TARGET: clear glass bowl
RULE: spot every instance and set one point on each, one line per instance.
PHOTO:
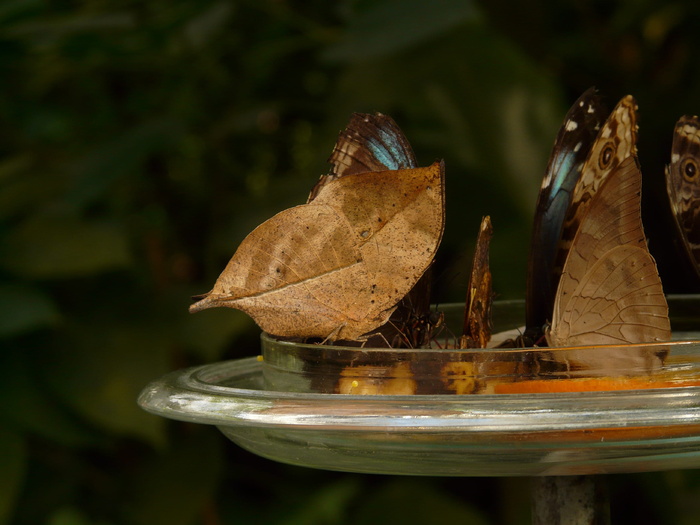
(297, 367)
(510, 434)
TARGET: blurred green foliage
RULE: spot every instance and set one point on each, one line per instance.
(141, 141)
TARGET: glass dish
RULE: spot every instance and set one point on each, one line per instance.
(510, 434)
(297, 367)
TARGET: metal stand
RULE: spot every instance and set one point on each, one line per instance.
(570, 500)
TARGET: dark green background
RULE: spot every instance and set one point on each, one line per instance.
(141, 141)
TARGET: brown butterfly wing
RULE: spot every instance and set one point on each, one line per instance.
(338, 266)
(683, 186)
(476, 332)
(372, 143)
(281, 273)
(610, 291)
(620, 300)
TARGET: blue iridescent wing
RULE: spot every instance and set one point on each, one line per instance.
(571, 148)
(368, 143)
(371, 143)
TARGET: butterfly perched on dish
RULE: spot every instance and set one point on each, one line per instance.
(375, 220)
(337, 267)
(683, 188)
(591, 278)
(374, 143)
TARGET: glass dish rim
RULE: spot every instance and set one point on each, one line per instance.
(271, 339)
(187, 392)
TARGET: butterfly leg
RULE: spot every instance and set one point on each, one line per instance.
(333, 334)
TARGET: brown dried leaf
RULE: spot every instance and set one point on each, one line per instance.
(374, 142)
(337, 266)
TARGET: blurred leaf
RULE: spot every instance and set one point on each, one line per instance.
(57, 27)
(409, 502)
(49, 247)
(48, 124)
(208, 23)
(120, 156)
(14, 167)
(27, 406)
(25, 308)
(101, 369)
(12, 8)
(12, 466)
(68, 516)
(327, 506)
(392, 25)
(176, 486)
(20, 188)
(208, 332)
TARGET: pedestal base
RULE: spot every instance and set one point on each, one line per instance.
(570, 500)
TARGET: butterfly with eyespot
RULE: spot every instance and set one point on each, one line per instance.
(607, 290)
(588, 148)
(374, 142)
(683, 187)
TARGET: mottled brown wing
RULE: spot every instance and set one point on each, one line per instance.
(299, 274)
(370, 143)
(683, 186)
(336, 268)
(477, 313)
(413, 324)
(610, 291)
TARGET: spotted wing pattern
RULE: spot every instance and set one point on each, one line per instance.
(683, 186)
